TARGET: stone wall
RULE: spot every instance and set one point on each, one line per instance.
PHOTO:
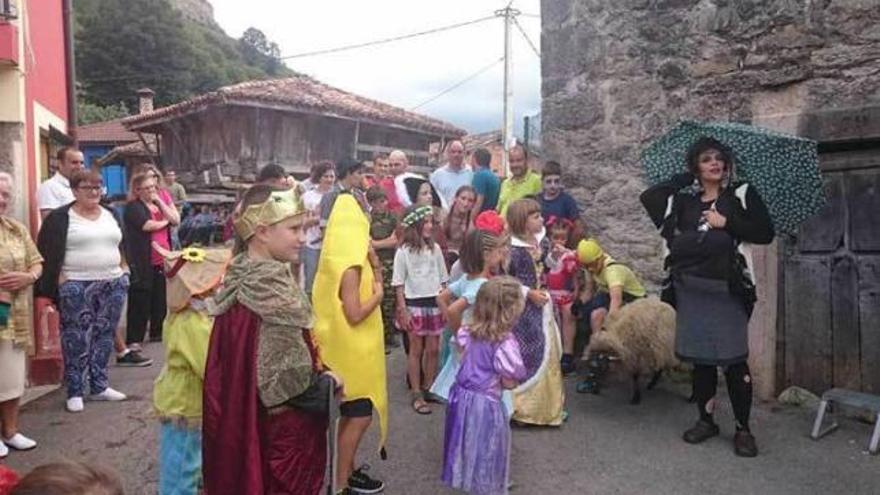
(616, 74)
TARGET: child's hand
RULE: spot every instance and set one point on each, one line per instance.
(340, 385)
(538, 297)
(403, 319)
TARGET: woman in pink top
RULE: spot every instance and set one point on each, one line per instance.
(148, 219)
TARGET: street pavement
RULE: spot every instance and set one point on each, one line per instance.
(606, 447)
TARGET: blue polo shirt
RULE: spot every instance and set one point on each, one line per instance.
(488, 185)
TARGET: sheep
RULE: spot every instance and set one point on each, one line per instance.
(642, 335)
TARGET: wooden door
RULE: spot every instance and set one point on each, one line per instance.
(830, 310)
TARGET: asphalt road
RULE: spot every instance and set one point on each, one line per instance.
(606, 447)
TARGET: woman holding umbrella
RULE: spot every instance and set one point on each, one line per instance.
(707, 220)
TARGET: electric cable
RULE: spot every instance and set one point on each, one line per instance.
(459, 83)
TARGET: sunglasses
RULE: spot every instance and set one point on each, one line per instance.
(95, 189)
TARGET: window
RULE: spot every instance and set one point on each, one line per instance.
(8, 10)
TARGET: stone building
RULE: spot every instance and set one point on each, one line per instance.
(618, 74)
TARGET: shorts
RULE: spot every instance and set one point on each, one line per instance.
(426, 320)
(601, 300)
(358, 408)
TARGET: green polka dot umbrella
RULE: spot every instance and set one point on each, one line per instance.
(783, 168)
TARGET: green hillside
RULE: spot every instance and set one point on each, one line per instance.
(124, 45)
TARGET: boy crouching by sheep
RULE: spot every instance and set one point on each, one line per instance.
(193, 274)
(614, 285)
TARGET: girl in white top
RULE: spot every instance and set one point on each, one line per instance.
(419, 276)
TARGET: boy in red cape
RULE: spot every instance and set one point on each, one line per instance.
(266, 396)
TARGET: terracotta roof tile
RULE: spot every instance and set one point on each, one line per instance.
(111, 131)
(300, 93)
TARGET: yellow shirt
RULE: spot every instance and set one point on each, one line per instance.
(514, 189)
(617, 275)
(18, 254)
(178, 389)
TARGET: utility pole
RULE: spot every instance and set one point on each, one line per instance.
(509, 14)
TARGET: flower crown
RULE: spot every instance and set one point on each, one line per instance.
(280, 205)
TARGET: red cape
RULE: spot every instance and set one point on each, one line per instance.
(245, 450)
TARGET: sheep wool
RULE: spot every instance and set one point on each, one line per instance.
(642, 334)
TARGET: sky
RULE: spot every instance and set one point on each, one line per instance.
(409, 72)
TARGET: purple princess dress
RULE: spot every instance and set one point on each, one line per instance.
(476, 443)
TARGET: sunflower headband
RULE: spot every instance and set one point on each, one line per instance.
(417, 215)
(280, 205)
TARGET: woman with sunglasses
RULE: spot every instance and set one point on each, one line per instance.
(86, 278)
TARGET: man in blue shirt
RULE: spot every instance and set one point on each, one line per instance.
(485, 182)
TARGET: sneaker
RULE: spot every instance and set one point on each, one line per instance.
(74, 404)
(744, 444)
(3, 450)
(701, 432)
(359, 482)
(133, 358)
(19, 442)
(109, 395)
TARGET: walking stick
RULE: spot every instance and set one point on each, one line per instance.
(332, 433)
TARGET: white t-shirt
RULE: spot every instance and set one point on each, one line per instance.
(447, 182)
(312, 202)
(54, 193)
(421, 273)
(92, 248)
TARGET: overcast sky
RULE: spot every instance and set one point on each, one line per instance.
(408, 72)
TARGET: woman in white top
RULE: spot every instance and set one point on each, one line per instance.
(86, 277)
(324, 175)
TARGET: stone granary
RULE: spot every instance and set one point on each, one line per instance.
(228, 134)
(618, 74)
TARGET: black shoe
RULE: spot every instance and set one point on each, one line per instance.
(701, 432)
(359, 482)
(744, 444)
(567, 364)
(133, 359)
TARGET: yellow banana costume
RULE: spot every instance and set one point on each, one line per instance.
(355, 352)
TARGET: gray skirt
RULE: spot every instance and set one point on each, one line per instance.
(712, 326)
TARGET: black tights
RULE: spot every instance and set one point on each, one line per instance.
(739, 387)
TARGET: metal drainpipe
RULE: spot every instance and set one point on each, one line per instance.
(70, 71)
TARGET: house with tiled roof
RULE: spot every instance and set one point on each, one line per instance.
(113, 148)
(228, 134)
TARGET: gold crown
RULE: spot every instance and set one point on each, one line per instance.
(280, 205)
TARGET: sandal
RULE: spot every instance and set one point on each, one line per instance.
(433, 398)
(419, 405)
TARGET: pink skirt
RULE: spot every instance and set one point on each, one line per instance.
(425, 319)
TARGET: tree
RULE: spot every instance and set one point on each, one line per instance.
(125, 45)
(89, 113)
(258, 49)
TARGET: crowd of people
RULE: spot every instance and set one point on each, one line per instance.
(485, 283)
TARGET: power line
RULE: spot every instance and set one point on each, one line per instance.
(386, 40)
(459, 83)
(536, 16)
(526, 36)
